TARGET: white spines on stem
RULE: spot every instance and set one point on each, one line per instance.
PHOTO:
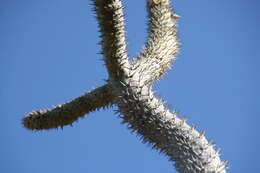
(69, 112)
(129, 87)
(162, 45)
(113, 42)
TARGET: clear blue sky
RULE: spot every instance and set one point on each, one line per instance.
(49, 54)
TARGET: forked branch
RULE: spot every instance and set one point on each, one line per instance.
(129, 88)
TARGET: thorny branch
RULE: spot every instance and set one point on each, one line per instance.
(129, 88)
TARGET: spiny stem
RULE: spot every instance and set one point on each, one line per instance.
(111, 22)
(184, 145)
(162, 45)
(129, 87)
(67, 113)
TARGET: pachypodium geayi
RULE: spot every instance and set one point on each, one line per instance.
(129, 88)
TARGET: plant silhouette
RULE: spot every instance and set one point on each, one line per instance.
(129, 88)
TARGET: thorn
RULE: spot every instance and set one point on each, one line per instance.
(193, 127)
(176, 112)
(218, 152)
(210, 142)
(175, 16)
(183, 121)
(202, 134)
(185, 118)
(123, 83)
(226, 164)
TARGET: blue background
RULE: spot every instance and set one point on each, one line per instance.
(49, 54)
